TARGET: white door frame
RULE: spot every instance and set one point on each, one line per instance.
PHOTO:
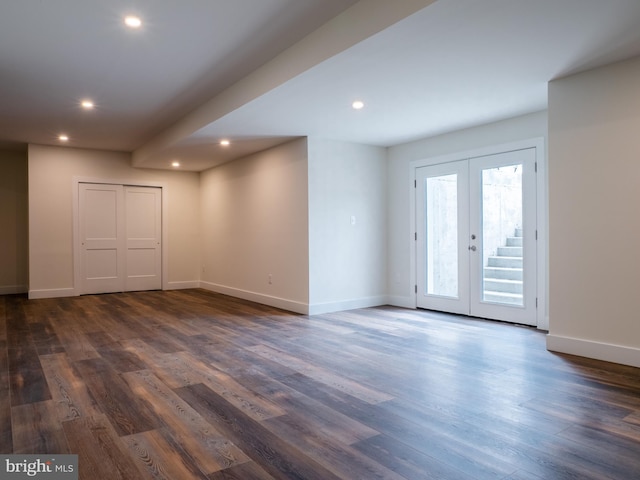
(76, 181)
(542, 317)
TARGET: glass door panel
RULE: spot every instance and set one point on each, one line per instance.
(502, 274)
(442, 235)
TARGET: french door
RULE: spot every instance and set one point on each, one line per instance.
(476, 236)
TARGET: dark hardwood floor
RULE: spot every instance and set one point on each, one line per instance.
(191, 384)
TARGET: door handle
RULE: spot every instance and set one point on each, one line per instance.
(473, 248)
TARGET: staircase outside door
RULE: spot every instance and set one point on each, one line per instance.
(504, 273)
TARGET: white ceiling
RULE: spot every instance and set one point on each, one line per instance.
(53, 53)
(161, 91)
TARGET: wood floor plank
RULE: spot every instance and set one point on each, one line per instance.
(195, 384)
(633, 418)
(163, 343)
(577, 409)
(318, 416)
(16, 323)
(44, 337)
(209, 448)
(76, 345)
(180, 369)
(3, 319)
(6, 433)
(68, 390)
(523, 475)
(237, 361)
(342, 460)
(279, 458)
(253, 404)
(127, 413)
(490, 442)
(583, 463)
(446, 448)
(613, 450)
(101, 455)
(121, 360)
(6, 443)
(330, 378)
(408, 461)
(36, 429)
(246, 471)
(28, 382)
(622, 376)
(161, 459)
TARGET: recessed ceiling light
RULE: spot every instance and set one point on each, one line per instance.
(358, 105)
(63, 138)
(87, 104)
(175, 164)
(132, 21)
(225, 143)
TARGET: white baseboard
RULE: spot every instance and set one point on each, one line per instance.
(182, 285)
(597, 350)
(318, 308)
(283, 303)
(13, 289)
(293, 306)
(52, 293)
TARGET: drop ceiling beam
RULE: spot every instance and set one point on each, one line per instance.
(357, 23)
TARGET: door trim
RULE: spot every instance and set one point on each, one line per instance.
(75, 182)
(542, 316)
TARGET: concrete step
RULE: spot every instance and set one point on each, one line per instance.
(505, 262)
(509, 251)
(514, 241)
(518, 232)
(503, 273)
(503, 286)
(507, 298)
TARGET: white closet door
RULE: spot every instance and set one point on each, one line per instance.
(143, 230)
(102, 238)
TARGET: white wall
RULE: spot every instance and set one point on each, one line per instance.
(254, 220)
(594, 225)
(347, 262)
(401, 278)
(51, 174)
(13, 222)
